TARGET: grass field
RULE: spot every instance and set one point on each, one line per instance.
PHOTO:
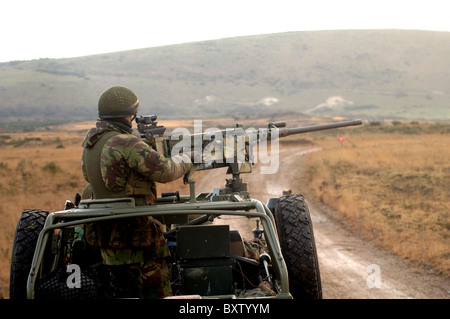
(391, 184)
(37, 170)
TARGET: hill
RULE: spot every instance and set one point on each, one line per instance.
(373, 74)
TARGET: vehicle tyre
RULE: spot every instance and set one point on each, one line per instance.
(295, 231)
(28, 228)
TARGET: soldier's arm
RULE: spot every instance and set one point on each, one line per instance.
(146, 161)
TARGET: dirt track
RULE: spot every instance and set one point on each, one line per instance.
(343, 258)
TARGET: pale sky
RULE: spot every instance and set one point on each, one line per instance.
(33, 29)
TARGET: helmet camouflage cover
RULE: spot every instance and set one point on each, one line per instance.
(116, 102)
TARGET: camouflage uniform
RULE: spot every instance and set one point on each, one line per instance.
(149, 278)
(118, 164)
(127, 163)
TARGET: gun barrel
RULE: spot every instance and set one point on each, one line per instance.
(299, 130)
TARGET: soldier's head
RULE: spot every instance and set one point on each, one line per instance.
(117, 102)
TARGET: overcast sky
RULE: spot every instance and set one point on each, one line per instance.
(33, 29)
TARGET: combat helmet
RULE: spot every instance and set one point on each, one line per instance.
(117, 102)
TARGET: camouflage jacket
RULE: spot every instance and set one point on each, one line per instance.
(128, 162)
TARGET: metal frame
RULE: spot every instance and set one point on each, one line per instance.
(77, 216)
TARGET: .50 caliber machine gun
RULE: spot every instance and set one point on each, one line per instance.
(214, 148)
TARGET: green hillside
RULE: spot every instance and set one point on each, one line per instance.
(373, 74)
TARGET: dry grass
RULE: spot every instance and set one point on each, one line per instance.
(392, 186)
(37, 170)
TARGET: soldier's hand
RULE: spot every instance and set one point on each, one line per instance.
(189, 177)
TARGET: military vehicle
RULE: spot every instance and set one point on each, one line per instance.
(52, 259)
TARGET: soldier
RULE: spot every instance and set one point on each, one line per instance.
(118, 164)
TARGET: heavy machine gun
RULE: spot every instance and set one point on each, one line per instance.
(231, 147)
